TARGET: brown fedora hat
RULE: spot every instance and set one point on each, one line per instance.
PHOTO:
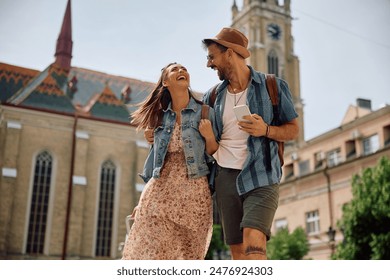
(233, 39)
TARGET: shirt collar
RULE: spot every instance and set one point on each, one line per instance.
(191, 105)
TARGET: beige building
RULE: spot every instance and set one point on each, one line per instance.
(317, 176)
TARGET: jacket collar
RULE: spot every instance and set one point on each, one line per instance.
(192, 105)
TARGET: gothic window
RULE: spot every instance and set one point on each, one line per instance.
(106, 209)
(39, 204)
(273, 63)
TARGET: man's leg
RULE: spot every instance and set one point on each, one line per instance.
(259, 209)
(230, 208)
(253, 247)
(254, 244)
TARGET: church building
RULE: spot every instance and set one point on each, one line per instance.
(69, 158)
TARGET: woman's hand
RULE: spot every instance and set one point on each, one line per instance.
(148, 134)
(206, 129)
(132, 216)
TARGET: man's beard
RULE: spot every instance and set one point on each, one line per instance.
(223, 73)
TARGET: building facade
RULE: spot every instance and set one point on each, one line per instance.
(317, 176)
(69, 158)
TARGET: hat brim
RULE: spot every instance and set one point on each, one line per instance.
(237, 48)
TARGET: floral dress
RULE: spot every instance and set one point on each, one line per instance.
(173, 220)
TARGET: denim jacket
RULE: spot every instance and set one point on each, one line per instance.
(193, 142)
(254, 173)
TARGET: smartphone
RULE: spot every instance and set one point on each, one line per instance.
(240, 111)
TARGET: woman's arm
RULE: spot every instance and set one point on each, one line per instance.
(206, 130)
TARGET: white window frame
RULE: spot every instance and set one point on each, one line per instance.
(370, 144)
(313, 222)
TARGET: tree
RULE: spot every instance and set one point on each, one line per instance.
(366, 218)
(286, 246)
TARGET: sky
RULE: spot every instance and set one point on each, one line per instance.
(343, 46)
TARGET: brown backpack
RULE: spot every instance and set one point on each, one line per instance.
(272, 89)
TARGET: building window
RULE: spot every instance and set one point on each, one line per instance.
(273, 63)
(304, 167)
(288, 171)
(313, 222)
(350, 149)
(106, 210)
(370, 144)
(39, 204)
(319, 159)
(386, 135)
(334, 157)
(280, 224)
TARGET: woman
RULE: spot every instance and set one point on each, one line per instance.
(173, 219)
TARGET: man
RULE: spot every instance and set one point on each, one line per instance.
(247, 190)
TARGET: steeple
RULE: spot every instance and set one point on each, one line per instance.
(234, 9)
(63, 52)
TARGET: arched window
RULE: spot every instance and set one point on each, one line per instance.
(273, 63)
(106, 209)
(39, 204)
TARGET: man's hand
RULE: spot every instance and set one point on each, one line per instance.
(254, 125)
(257, 127)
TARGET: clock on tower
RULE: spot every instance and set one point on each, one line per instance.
(274, 31)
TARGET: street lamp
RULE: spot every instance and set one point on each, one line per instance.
(331, 235)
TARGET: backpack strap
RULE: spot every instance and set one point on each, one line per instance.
(205, 112)
(213, 96)
(272, 89)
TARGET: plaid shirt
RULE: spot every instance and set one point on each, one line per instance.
(254, 173)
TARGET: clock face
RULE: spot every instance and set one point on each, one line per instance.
(274, 31)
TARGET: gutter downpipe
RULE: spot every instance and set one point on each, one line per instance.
(329, 195)
(70, 188)
(331, 232)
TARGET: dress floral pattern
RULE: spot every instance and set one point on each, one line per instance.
(174, 215)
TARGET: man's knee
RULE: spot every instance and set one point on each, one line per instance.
(255, 243)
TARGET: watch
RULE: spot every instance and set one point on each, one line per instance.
(274, 31)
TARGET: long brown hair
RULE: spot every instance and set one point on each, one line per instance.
(150, 112)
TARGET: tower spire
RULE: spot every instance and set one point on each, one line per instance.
(63, 52)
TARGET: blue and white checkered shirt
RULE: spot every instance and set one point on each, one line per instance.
(255, 173)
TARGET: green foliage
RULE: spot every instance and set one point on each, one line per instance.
(366, 218)
(217, 243)
(286, 246)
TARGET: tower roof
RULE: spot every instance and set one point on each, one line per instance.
(63, 52)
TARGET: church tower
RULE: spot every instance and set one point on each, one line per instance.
(267, 24)
(64, 45)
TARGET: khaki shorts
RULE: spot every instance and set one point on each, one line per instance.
(255, 209)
